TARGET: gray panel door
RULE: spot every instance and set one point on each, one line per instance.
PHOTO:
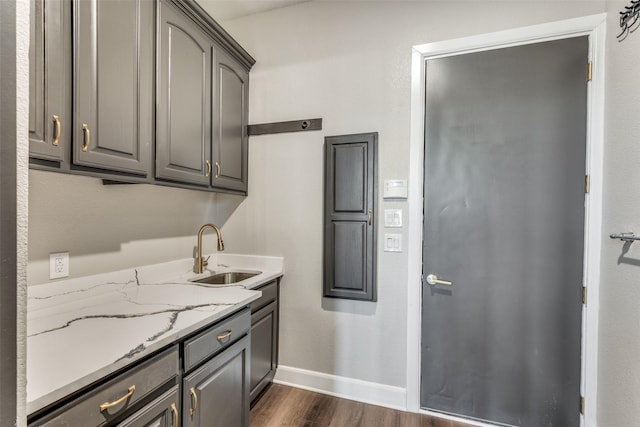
(349, 221)
(230, 143)
(162, 412)
(264, 348)
(183, 146)
(504, 189)
(49, 80)
(217, 394)
(113, 91)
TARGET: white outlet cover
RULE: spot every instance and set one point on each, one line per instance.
(58, 265)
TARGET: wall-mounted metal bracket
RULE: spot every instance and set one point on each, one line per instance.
(625, 237)
(282, 127)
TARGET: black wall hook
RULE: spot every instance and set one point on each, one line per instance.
(629, 21)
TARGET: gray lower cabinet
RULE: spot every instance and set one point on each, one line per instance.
(201, 381)
(162, 412)
(105, 404)
(183, 139)
(230, 142)
(49, 80)
(217, 393)
(113, 102)
(264, 339)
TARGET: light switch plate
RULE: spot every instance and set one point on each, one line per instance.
(393, 218)
(393, 242)
(58, 265)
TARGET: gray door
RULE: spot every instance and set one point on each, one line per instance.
(183, 145)
(217, 394)
(49, 80)
(505, 147)
(113, 84)
(350, 191)
(230, 142)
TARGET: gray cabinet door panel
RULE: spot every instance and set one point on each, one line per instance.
(49, 79)
(264, 348)
(230, 139)
(349, 224)
(113, 97)
(184, 100)
(217, 394)
(162, 412)
(349, 255)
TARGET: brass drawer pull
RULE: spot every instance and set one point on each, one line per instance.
(224, 336)
(217, 170)
(174, 411)
(87, 137)
(208, 168)
(108, 405)
(194, 399)
(57, 129)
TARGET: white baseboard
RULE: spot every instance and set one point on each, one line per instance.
(343, 387)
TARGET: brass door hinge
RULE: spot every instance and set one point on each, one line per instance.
(589, 70)
(587, 183)
(582, 405)
(584, 294)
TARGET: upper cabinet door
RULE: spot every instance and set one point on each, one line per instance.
(183, 145)
(230, 142)
(113, 90)
(49, 80)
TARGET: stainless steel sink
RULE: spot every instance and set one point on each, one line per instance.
(227, 278)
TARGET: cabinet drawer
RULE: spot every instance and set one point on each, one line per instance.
(269, 293)
(123, 392)
(209, 342)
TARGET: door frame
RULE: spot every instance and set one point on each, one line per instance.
(593, 26)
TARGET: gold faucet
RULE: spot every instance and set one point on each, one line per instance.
(200, 263)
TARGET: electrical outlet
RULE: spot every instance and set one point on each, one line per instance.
(58, 265)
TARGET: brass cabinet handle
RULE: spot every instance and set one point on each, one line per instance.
(194, 399)
(226, 334)
(208, 168)
(87, 137)
(174, 411)
(370, 215)
(56, 132)
(108, 405)
(217, 170)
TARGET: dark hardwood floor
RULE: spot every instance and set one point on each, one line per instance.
(294, 407)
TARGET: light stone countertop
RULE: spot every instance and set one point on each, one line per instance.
(80, 330)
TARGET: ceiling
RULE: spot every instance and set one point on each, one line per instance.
(223, 10)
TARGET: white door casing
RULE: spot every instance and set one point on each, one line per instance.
(594, 27)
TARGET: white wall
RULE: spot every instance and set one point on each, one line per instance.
(619, 355)
(349, 63)
(111, 227)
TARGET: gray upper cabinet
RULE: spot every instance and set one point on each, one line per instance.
(49, 80)
(183, 145)
(230, 143)
(138, 91)
(349, 216)
(113, 84)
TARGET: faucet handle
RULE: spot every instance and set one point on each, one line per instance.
(205, 261)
